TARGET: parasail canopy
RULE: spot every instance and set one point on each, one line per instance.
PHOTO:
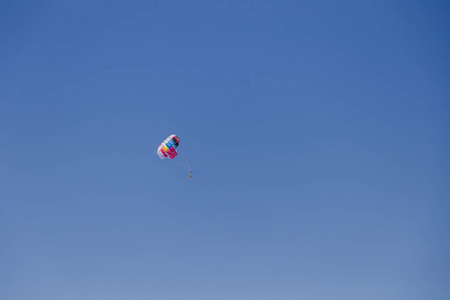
(168, 148)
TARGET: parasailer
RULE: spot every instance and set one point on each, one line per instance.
(168, 148)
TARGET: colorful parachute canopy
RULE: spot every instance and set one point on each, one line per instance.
(168, 147)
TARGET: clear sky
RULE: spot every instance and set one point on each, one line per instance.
(318, 131)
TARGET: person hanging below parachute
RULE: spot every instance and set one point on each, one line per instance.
(168, 148)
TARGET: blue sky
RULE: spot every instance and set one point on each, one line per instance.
(318, 131)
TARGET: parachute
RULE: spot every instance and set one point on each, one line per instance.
(168, 149)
